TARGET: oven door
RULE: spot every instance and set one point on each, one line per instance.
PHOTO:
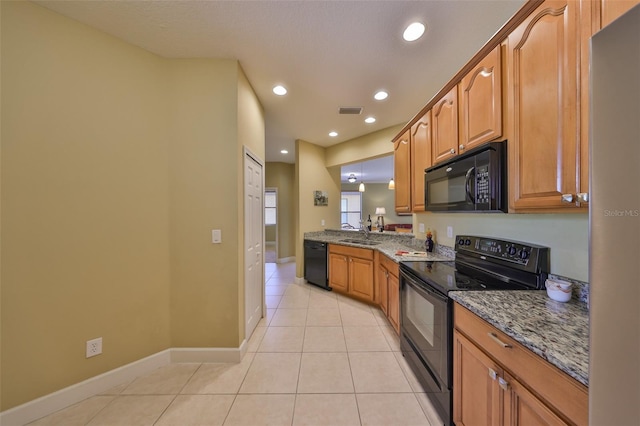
(425, 322)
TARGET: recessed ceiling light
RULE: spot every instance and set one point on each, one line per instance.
(369, 120)
(333, 134)
(381, 95)
(284, 151)
(280, 90)
(413, 32)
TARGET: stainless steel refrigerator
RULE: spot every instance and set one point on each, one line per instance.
(614, 221)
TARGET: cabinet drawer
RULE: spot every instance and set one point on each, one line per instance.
(390, 265)
(556, 388)
(351, 251)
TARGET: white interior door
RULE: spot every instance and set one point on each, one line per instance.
(254, 242)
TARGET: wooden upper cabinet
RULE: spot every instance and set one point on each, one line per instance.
(543, 55)
(420, 159)
(402, 173)
(607, 11)
(444, 119)
(480, 93)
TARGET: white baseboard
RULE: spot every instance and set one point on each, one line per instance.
(209, 354)
(300, 280)
(73, 394)
(286, 259)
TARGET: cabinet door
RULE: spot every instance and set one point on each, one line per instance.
(420, 159)
(339, 272)
(612, 9)
(476, 393)
(402, 173)
(543, 105)
(522, 408)
(361, 278)
(383, 288)
(444, 116)
(481, 102)
(394, 302)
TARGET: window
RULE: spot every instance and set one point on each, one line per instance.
(270, 212)
(351, 210)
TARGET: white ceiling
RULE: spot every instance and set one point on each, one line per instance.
(327, 53)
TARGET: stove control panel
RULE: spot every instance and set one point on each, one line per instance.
(529, 257)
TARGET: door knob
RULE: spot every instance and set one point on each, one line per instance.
(453, 151)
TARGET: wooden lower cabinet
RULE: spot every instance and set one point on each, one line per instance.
(351, 271)
(394, 301)
(477, 397)
(523, 408)
(382, 293)
(505, 383)
(388, 284)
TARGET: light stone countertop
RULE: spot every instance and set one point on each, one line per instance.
(558, 332)
(390, 244)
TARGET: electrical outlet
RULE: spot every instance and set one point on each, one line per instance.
(94, 347)
(450, 231)
(421, 227)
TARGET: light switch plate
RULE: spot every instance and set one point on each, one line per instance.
(216, 236)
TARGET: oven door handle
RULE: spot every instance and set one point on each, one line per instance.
(467, 184)
(424, 288)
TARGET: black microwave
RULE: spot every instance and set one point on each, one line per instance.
(475, 181)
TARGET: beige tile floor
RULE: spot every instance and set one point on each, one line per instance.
(318, 358)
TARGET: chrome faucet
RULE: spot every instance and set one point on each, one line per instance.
(365, 229)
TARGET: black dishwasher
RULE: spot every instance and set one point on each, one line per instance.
(315, 263)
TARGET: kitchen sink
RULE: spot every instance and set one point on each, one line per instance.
(363, 242)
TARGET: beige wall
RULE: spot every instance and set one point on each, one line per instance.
(372, 145)
(566, 234)
(116, 165)
(311, 175)
(85, 244)
(204, 171)
(281, 176)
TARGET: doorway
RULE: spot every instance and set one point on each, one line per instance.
(271, 225)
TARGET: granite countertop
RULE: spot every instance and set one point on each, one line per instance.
(558, 332)
(390, 244)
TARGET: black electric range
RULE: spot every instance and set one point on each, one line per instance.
(426, 320)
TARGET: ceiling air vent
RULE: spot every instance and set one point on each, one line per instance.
(350, 110)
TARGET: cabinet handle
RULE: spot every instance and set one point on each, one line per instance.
(493, 374)
(567, 198)
(453, 151)
(503, 383)
(494, 337)
(461, 146)
(583, 197)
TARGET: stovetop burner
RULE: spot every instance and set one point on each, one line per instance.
(485, 264)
